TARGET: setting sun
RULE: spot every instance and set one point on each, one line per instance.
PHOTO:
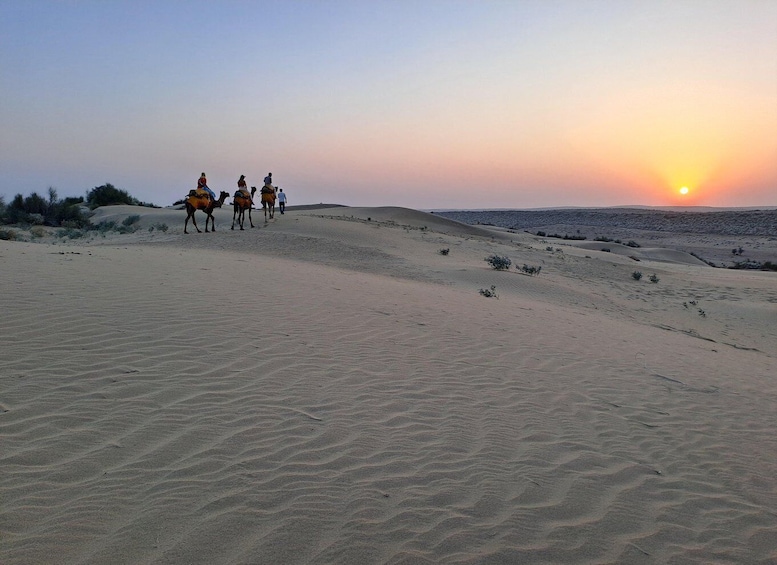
(684, 190)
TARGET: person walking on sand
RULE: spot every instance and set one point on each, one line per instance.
(281, 200)
(202, 184)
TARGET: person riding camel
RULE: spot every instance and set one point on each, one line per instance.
(268, 188)
(202, 184)
(242, 187)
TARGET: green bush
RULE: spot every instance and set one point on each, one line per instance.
(108, 194)
(653, 278)
(636, 275)
(37, 210)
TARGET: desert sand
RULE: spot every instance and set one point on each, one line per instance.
(328, 387)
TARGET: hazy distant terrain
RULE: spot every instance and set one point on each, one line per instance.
(712, 236)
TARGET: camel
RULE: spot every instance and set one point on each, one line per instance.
(268, 201)
(243, 202)
(199, 201)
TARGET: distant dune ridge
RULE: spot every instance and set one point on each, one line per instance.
(330, 387)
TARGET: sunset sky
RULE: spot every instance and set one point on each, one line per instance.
(425, 104)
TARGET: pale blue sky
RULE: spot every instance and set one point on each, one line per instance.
(427, 104)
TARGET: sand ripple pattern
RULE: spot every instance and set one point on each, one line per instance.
(231, 411)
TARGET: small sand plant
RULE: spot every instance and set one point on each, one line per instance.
(444, 251)
(529, 270)
(653, 278)
(636, 275)
(498, 262)
(489, 292)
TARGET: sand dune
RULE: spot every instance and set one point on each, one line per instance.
(329, 388)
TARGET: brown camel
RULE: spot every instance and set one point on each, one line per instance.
(243, 202)
(199, 201)
(268, 201)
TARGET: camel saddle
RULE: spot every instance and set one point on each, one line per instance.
(267, 189)
(242, 193)
(199, 193)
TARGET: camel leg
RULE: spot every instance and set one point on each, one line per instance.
(250, 221)
(194, 223)
(234, 213)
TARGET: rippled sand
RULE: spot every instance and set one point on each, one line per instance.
(329, 388)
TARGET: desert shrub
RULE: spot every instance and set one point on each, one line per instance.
(103, 227)
(632, 243)
(37, 210)
(108, 194)
(531, 271)
(756, 265)
(489, 292)
(444, 251)
(129, 220)
(38, 231)
(162, 227)
(653, 278)
(498, 262)
(606, 249)
(8, 235)
(636, 275)
(542, 234)
(71, 233)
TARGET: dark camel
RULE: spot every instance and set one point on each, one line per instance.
(268, 201)
(243, 202)
(201, 201)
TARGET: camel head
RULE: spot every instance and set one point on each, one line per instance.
(222, 197)
(253, 190)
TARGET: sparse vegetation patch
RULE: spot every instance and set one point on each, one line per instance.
(489, 292)
(499, 263)
(529, 270)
